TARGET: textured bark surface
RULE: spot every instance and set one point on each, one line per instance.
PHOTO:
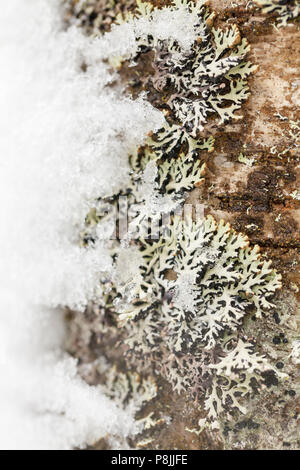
(256, 199)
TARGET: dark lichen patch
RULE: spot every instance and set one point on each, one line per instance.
(240, 425)
(286, 226)
(179, 419)
(283, 12)
(270, 379)
(137, 78)
(263, 184)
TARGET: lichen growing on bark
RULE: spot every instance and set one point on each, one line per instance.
(191, 327)
(210, 78)
(96, 16)
(231, 392)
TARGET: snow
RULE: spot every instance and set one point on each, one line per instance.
(65, 137)
(65, 140)
(167, 23)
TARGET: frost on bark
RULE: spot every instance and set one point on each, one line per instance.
(249, 173)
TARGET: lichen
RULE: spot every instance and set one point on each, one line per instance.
(96, 16)
(283, 10)
(194, 321)
(182, 298)
(295, 354)
(208, 79)
(163, 171)
(129, 389)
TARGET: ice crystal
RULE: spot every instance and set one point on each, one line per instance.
(181, 297)
(132, 392)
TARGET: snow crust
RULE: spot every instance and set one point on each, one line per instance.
(65, 139)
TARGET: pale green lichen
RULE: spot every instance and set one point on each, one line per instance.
(185, 300)
(129, 388)
(247, 161)
(295, 353)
